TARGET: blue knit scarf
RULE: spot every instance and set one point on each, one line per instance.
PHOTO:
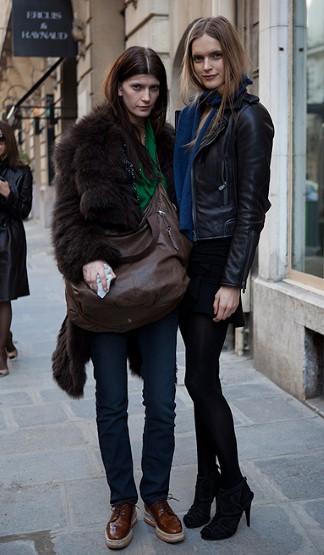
(184, 156)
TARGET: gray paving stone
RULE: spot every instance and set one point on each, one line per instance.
(280, 438)
(27, 509)
(182, 486)
(12, 399)
(136, 426)
(28, 376)
(39, 439)
(310, 516)
(88, 428)
(135, 401)
(316, 404)
(253, 391)
(232, 365)
(181, 403)
(184, 421)
(2, 421)
(183, 395)
(83, 408)
(144, 542)
(25, 361)
(82, 542)
(298, 477)
(135, 384)
(246, 375)
(33, 348)
(315, 509)
(35, 468)
(240, 419)
(19, 547)
(185, 450)
(272, 409)
(88, 501)
(39, 415)
(54, 394)
(25, 377)
(38, 543)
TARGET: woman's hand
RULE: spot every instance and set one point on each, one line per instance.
(226, 302)
(90, 272)
(4, 188)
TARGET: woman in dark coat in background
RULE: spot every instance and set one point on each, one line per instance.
(15, 204)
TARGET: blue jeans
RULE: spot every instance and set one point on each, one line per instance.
(157, 345)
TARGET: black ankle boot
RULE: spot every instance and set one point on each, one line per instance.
(231, 504)
(205, 493)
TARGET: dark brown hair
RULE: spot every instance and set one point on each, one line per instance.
(235, 60)
(134, 61)
(12, 154)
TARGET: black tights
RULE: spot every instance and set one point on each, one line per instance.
(5, 322)
(215, 433)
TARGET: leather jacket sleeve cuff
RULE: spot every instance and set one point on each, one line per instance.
(237, 267)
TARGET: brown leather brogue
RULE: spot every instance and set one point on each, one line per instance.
(167, 525)
(119, 529)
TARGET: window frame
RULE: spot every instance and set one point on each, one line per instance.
(292, 274)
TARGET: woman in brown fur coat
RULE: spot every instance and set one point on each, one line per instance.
(107, 170)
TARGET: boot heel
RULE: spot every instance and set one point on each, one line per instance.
(247, 514)
(231, 504)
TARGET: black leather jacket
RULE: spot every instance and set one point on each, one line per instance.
(18, 204)
(230, 184)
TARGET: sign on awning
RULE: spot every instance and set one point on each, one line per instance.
(42, 28)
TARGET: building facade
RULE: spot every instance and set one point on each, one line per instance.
(285, 43)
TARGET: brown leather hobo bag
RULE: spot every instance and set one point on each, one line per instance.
(151, 278)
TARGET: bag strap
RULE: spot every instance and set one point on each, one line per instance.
(150, 219)
(152, 224)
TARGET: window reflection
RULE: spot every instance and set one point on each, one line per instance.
(308, 185)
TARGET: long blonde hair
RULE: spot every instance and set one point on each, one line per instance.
(235, 60)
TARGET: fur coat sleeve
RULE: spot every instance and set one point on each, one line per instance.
(92, 192)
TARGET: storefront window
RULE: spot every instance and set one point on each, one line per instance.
(308, 139)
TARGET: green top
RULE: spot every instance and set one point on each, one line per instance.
(145, 187)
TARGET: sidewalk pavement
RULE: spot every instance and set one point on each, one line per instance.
(54, 498)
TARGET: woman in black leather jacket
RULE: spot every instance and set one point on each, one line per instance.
(15, 204)
(222, 171)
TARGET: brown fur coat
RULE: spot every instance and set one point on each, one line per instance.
(94, 191)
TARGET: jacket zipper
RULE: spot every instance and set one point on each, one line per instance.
(211, 140)
(195, 235)
(194, 219)
(168, 228)
(224, 185)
